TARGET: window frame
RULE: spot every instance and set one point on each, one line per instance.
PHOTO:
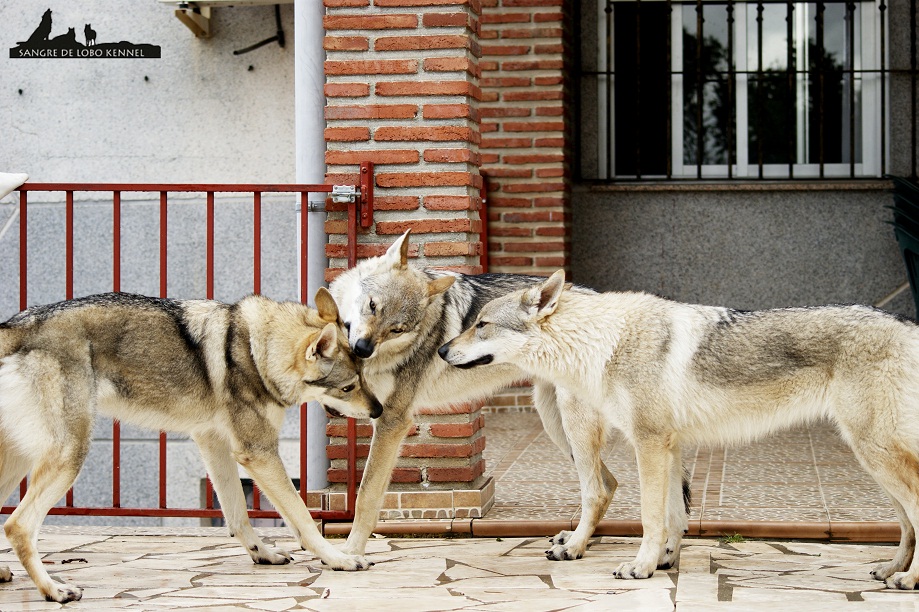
(869, 67)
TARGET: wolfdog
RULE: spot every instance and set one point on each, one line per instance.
(222, 373)
(397, 317)
(668, 374)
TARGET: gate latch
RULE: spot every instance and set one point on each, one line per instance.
(344, 194)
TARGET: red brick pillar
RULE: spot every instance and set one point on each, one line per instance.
(525, 133)
(402, 90)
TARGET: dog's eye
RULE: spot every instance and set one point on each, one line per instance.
(373, 306)
(347, 389)
(397, 330)
(480, 324)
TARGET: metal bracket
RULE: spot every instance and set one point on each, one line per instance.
(197, 19)
(366, 203)
(344, 194)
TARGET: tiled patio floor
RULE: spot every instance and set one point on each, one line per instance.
(804, 477)
(202, 569)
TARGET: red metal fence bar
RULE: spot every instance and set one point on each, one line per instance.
(359, 213)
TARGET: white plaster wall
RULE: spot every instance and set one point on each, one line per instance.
(198, 114)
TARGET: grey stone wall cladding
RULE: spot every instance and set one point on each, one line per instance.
(745, 250)
(140, 263)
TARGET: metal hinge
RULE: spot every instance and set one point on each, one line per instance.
(344, 194)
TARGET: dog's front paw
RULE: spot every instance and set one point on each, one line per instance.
(561, 538)
(269, 555)
(348, 563)
(62, 593)
(885, 570)
(563, 553)
(632, 571)
(5, 574)
(903, 581)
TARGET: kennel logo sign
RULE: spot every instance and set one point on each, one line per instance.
(44, 43)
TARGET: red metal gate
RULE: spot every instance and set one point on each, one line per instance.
(359, 214)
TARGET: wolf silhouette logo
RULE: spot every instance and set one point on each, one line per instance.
(42, 32)
(42, 45)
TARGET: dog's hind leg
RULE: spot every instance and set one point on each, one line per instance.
(894, 464)
(221, 467)
(896, 468)
(905, 550)
(586, 432)
(54, 408)
(13, 469)
(51, 478)
(546, 399)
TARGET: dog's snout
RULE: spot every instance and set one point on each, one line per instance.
(363, 348)
(376, 408)
(442, 351)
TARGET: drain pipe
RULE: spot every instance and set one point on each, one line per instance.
(309, 126)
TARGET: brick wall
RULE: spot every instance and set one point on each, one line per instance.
(429, 451)
(402, 89)
(513, 399)
(525, 130)
(440, 468)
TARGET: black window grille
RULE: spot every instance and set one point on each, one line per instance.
(721, 89)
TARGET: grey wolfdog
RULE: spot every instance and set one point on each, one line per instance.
(222, 373)
(398, 316)
(668, 374)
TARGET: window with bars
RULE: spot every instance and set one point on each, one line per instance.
(701, 89)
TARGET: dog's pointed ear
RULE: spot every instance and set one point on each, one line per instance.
(440, 284)
(397, 254)
(541, 300)
(325, 304)
(326, 344)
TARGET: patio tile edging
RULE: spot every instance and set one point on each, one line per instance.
(835, 531)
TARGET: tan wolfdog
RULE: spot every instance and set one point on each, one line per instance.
(222, 373)
(668, 374)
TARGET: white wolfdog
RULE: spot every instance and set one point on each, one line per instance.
(223, 373)
(398, 316)
(668, 374)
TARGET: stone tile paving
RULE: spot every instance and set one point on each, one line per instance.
(203, 569)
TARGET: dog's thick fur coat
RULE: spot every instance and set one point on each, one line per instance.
(668, 374)
(222, 373)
